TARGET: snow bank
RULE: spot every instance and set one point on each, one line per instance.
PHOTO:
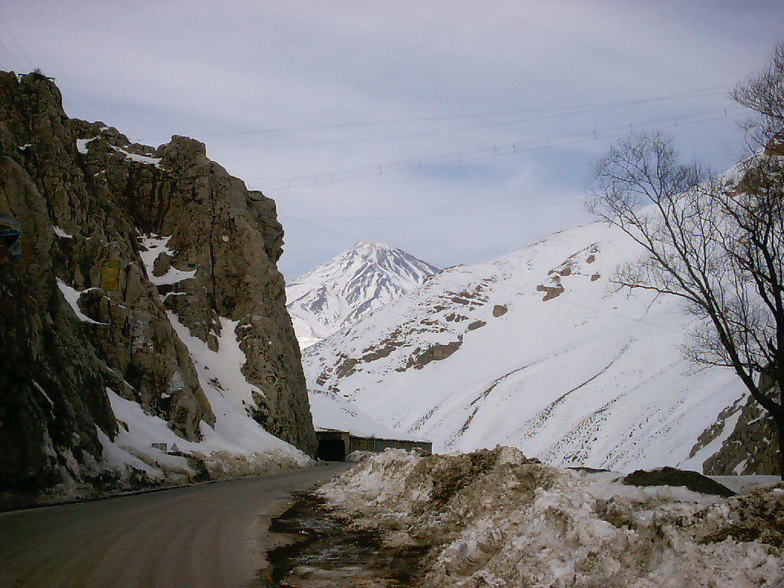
(495, 518)
(247, 450)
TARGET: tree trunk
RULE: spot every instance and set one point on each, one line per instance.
(780, 432)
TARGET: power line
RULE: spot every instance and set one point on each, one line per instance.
(549, 204)
(16, 42)
(623, 316)
(473, 127)
(613, 131)
(320, 228)
(693, 118)
(595, 105)
(11, 55)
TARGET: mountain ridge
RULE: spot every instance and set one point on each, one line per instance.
(535, 349)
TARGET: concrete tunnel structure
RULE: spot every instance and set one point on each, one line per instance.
(335, 445)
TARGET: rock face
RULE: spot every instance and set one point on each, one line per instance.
(745, 440)
(122, 243)
(674, 477)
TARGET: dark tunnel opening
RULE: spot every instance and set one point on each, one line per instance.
(332, 450)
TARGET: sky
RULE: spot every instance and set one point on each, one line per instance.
(456, 130)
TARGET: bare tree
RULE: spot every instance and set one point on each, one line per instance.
(716, 243)
(764, 94)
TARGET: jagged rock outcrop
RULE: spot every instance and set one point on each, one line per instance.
(751, 448)
(750, 440)
(123, 243)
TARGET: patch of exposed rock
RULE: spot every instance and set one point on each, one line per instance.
(674, 477)
(751, 447)
(437, 352)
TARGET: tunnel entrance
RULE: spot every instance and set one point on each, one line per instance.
(335, 445)
(332, 450)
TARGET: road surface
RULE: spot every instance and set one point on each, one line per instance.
(209, 535)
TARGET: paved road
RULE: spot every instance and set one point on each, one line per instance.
(202, 536)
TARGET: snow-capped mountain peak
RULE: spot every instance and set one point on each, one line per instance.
(350, 286)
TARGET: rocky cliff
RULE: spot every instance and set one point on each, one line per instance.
(742, 441)
(141, 270)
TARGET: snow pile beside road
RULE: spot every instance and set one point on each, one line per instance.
(495, 518)
(139, 463)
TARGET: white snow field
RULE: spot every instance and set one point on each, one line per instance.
(496, 519)
(330, 411)
(537, 350)
(352, 285)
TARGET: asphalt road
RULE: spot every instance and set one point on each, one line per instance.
(211, 535)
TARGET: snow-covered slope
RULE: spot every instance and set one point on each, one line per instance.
(538, 350)
(331, 411)
(351, 286)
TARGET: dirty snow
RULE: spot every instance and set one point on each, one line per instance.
(741, 483)
(71, 296)
(494, 518)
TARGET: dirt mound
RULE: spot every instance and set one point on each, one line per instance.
(675, 477)
(495, 518)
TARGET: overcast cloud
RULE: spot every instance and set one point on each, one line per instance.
(455, 130)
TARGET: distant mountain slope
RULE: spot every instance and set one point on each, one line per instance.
(331, 411)
(537, 350)
(351, 286)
